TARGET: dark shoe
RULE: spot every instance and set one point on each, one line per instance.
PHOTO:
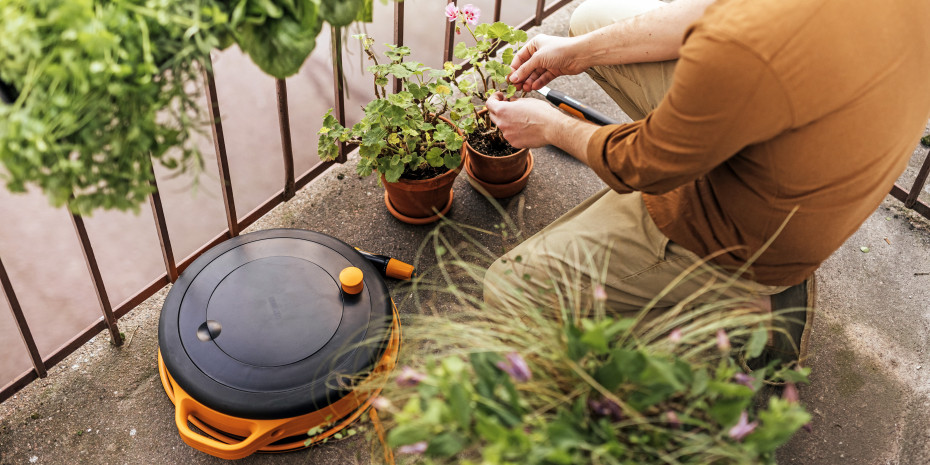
(791, 332)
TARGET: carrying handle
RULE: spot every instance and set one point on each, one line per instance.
(260, 433)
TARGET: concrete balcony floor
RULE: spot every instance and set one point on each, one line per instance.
(870, 387)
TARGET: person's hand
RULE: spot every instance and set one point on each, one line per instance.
(525, 123)
(543, 59)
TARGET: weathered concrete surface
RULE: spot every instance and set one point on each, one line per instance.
(868, 395)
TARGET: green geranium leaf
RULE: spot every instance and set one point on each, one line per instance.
(452, 160)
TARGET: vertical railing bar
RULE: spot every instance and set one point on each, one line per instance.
(450, 37)
(398, 34)
(161, 227)
(540, 5)
(339, 88)
(99, 287)
(919, 183)
(21, 323)
(497, 10)
(219, 143)
(284, 122)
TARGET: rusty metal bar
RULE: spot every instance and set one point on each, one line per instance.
(76, 342)
(148, 291)
(219, 142)
(99, 287)
(312, 173)
(899, 193)
(284, 122)
(540, 6)
(398, 34)
(21, 323)
(450, 38)
(339, 109)
(161, 226)
(919, 183)
(18, 383)
(497, 10)
(545, 14)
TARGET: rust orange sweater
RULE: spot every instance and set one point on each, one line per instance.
(777, 104)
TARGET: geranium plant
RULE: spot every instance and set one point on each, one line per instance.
(401, 134)
(490, 60)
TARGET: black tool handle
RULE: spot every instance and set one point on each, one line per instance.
(578, 109)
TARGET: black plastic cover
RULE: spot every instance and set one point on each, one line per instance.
(258, 326)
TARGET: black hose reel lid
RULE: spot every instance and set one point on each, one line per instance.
(259, 326)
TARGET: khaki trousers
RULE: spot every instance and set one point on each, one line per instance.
(608, 247)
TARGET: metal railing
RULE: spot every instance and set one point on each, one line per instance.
(291, 183)
(911, 198)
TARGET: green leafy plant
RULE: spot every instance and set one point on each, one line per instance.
(99, 89)
(100, 93)
(925, 140)
(567, 382)
(400, 134)
(279, 35)
(490, 60)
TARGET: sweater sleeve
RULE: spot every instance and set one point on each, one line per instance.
(723, 98)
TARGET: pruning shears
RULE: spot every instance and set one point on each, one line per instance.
(575, 108)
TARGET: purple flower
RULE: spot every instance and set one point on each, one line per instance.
(600, 293)
(452, 12)
(791, 393)
(676, 335)
(409, 377)
(472, 13)
(723, 342)
(672, 419)
(415, 448)
(742, 427)
(745, 380)
(516, 367)
(605, 408)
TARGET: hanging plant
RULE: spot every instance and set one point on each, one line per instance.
(97, 91)
(94, 91)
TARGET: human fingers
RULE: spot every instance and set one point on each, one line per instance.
(524, 54)
(494, 101)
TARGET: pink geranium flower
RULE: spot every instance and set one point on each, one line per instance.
(452, 12)
(472, 13)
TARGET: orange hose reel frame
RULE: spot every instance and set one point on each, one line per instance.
(260, 434)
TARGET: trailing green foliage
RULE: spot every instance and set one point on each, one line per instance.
(551, 376)
(93, 79)
(278, 35)
(101, 88)
(925, 140)
(400, 132)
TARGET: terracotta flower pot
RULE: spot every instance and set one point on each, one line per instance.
(500, 176)
(422, 201)
(418, 201)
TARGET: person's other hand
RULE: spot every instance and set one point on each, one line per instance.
(543, 59)
(526, 122)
